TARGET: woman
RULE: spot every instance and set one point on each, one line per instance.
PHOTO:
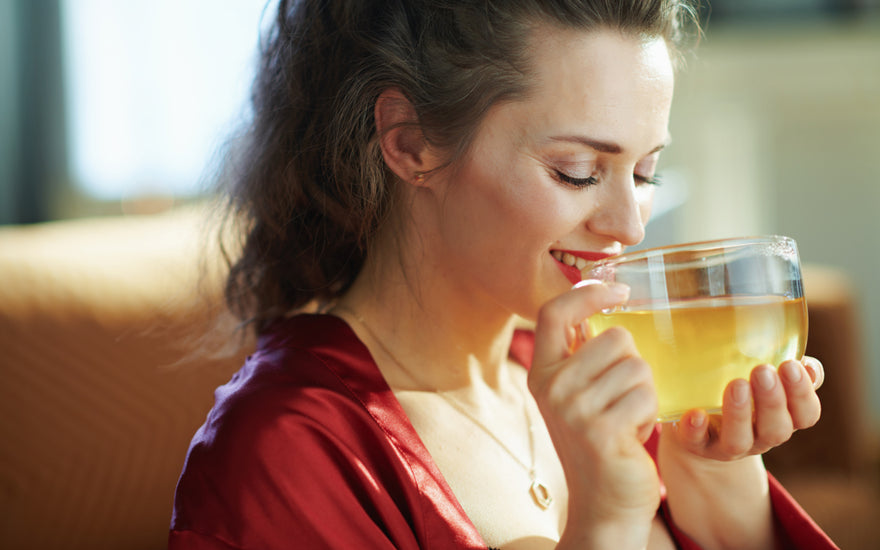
(425, 173)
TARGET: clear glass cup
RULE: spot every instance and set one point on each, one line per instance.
(703, 314)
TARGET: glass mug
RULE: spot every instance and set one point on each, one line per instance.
(703, 314)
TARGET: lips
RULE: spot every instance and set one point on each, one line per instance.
(573, 262)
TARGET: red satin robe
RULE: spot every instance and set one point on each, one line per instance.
(307, 447)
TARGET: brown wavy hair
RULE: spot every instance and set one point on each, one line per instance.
(307, 189)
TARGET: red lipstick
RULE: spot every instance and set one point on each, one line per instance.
(572, 273)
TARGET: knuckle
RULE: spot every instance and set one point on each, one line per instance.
(641, 371)
(647, 397)
(547, 312)
(557, 394)
(578, 413)
(809, 418)
(602, 431)
(774, 436)
(774, 401)
(552, 311)
(640, 404)
(638, 374)
(548, 315)
(548, 391)
(735, 447)
(620, 337)
(734, 450)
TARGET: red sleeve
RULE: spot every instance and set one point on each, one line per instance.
(797, 531)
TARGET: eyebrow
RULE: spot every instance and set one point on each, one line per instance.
(603, 146)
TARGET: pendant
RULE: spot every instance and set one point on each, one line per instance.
(541, 494)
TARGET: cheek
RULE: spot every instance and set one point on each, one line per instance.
(505, 220)
(499, 199)
(536, 213)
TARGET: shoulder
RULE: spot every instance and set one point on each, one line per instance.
(310, 378)
(293, 430)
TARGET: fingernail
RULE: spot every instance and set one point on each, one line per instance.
(619, 289)
(698, 419)
(817, 374)
(740, 393)
(587, 282)
(792, 372)
(766, 379)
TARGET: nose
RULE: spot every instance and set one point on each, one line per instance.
(621, 212)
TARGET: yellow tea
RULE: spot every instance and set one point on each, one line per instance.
(696, 347)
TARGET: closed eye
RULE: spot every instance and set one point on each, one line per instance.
(655, 180)
(575, 182)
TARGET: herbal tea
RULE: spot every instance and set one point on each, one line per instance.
(695, 347)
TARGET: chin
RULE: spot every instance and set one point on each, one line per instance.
(529, 312)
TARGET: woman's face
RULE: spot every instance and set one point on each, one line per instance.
(561, 177)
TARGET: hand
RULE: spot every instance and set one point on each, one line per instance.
(784, 401)
(702, 457)
(599, 404)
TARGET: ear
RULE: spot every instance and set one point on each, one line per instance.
(403, 145)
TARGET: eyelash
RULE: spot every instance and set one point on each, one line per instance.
(576, 182)
(656, 180)
(590, 181)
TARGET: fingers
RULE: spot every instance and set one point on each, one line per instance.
(733, 434)
(631, 413)
(554, 330)
(637, 407)
(693, 431)
(625, 387)
(613, 346)
(600, 373)
(816, 371)
(736, 436)
(802, 401)
(773, 422)
(602, 388)
(757, 415)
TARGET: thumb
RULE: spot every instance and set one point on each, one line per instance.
(560, 319)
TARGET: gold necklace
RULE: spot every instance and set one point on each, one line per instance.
(537, 489)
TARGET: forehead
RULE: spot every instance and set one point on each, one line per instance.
(601, 80)
(614, 55)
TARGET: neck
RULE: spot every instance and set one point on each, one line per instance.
(441, 335)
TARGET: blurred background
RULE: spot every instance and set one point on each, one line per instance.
(105, 104)
(120, 109)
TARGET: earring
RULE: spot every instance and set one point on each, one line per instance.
(420, 178)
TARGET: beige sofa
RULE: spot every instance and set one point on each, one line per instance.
(96, 409)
